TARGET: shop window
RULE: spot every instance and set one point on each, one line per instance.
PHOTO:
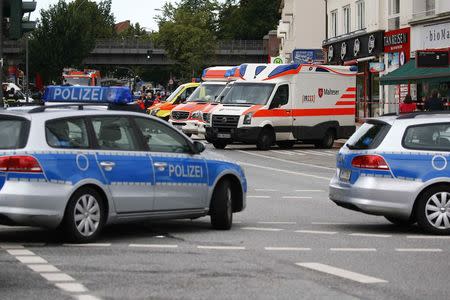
(361, 9)
(347, 24)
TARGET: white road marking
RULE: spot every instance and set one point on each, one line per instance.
(160, 236)
(88, 245)
(286, 249)
(261, 229)
(259, 197)
(331, 151)
(19, 252)
(341, 273)
(316, 153)
(281, 152)
(328, 223)
(266, 190)
(221, 247)
(31, 260)
(284, 171)
(72, 287)
(316, 232)
(418, 250)
(371, 235)
(86, 297)
(296, 197)
(57, 277)
(43, 268)
(353, 249)
(11, 246)
(309, 191)
(298, 153)
(274, 223)
(152, 246)
(286, 161)
(439, 237)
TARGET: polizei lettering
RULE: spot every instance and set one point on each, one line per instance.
(185, 171)
(79, 94)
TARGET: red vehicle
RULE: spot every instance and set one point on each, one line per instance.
(82, 78)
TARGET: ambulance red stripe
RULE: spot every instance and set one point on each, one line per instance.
(351, 89)
(348, 96)
(304, 112)
(346, 103)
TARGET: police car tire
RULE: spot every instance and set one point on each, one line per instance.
(219, 145)
(421, 210)
(327, 141)
(222, 206)
(69, 226)
(265, 140)
(286, 144)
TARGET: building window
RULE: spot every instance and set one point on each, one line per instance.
(346, 11)
(334, 20)
(423, 8)
(394, 15)
(361, 8)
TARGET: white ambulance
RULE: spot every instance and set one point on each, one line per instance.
(282, 104)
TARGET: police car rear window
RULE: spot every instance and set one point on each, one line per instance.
(368, 136)
(13, 132)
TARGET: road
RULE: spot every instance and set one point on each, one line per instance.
(291, 242)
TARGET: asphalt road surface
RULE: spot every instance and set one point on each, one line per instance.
(291, 242)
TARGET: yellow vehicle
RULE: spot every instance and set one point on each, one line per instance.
(163, 109)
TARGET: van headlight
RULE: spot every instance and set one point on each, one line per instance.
(197, 115)
(248, 119)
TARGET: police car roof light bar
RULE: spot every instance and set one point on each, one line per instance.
(88, 94)
(80, 106)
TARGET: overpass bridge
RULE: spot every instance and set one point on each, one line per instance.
(133, 52)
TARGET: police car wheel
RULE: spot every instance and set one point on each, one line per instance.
(286, 144)
(84, 217)
(433, 210)
(265, 140)
(222, 206)
(219, 145)
(400, 221)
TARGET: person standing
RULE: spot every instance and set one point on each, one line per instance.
(434, 103)
(408, 105)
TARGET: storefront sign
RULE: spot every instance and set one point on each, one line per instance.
(398, 43)
(376, 67)
(436, 36)
(277, 60)
(308, 56)
(432, 59)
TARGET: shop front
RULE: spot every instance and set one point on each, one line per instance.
(361, 50)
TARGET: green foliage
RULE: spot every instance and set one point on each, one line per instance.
(66, 34)
(135, 31)
(247, 19)
(187, 32)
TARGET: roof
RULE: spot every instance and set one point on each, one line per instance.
(408, 73)
(122, 26)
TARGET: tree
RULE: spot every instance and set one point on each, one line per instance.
(135, 31)
(187, 33)
(66, 34)
(247, 20)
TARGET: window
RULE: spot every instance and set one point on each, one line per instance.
(67, 133)
(361, 8)
(428, 137)
(423, 8)
(281, 97)
(334, 23)
(394, 7)
(249, 94)
(368, 136)
(347, 24)
(115, 133)
(13, 132)
(161, 138)
(394, 18)
(186, 94)
(206, 93)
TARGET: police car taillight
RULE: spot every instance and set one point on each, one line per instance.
(374, 162)
(19, 164)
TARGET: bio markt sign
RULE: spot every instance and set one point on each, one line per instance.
(277, 60)
(436, 36)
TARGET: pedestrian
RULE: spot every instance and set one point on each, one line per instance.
(408, 105)
(434, 103)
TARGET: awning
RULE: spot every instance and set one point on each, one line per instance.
(410, 74)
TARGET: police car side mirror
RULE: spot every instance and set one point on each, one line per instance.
(199, 147)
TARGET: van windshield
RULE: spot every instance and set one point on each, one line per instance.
(206, 93)
(174, 94)
(249, 94)
(81, 81)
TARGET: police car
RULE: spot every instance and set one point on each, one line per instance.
(397, 167)
(81, 167)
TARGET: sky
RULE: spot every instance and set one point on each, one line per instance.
(141, 11)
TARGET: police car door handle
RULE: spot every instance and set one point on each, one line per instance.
(107, 165)
(160, 165)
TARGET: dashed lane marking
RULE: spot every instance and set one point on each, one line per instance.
(287, 161)
(341, 273)
(152, 246)
(284, 171)
(316, 232)
(220, 248)
(258, 197)
(275, 223)
(261, 229)
(266, 190)
(438, 237)
(88, 245)
(20, 252)
(57, 277)
(286, 249)
(309, 152)
(43, 268)
(282, 152)
(72, 287)
(31, 260)
(86, 297)
(376, 235)
(309, 191)
(296, 197)
(11, 246)
(418, 250)
(353, 249)
(329, 223)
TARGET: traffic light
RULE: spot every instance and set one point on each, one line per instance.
(17, 26)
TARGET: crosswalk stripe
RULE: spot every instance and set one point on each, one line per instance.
(341, 273)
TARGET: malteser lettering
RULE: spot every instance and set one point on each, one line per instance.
(183, 171)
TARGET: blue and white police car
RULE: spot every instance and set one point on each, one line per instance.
(398, 167)
(80, 167)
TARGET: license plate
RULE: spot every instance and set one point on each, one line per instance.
(224, 135)
(344, 175)
(178, 126)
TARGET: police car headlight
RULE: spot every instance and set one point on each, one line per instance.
(197, 115)
(248, 119)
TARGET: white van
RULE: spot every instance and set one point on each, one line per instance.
(283, 104)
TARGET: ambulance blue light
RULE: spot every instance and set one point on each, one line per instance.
(231, 72)
(353, 69)
(88, 94)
